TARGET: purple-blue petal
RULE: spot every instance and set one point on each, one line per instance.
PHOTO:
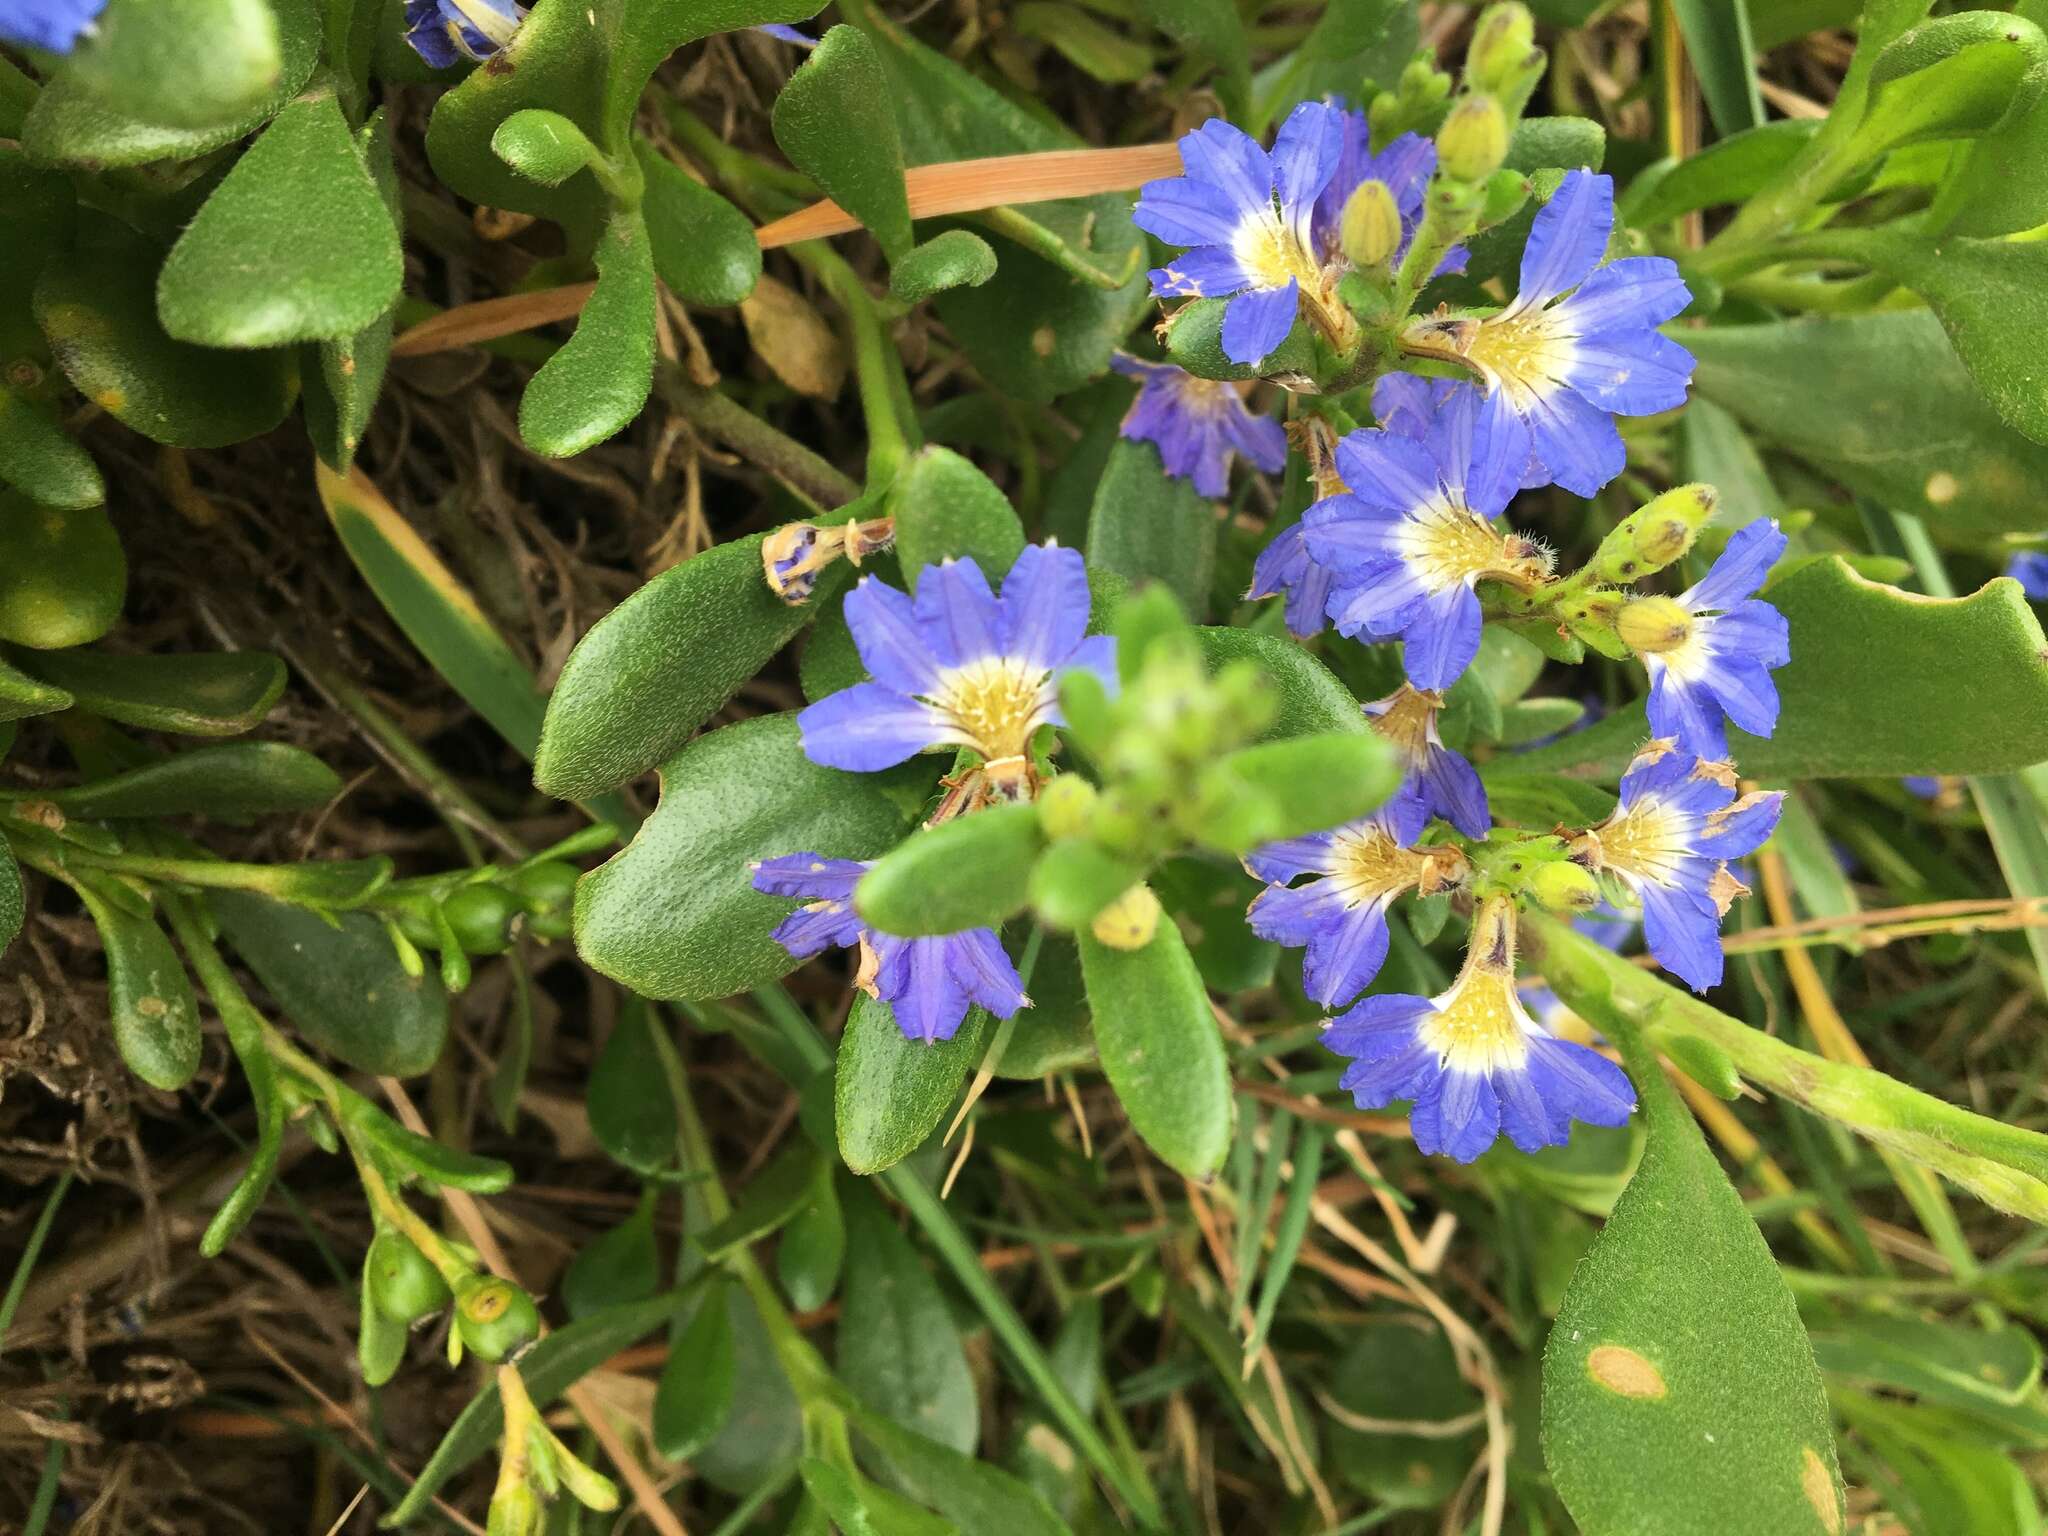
(1568, 238)
(1257, 321)
(1441, 636)
(1685, 938)
(55, 25)
(1044, 606)
(866, 728)
(811, 876)
(892, 644)
(1751, 552)
(958, 613)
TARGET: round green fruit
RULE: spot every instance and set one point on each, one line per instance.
(403, 1282)
(495, 1317)
(482, 917)
(547, 891)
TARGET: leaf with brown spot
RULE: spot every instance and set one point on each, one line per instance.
(1680, 1394)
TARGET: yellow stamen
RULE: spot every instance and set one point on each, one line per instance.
(1480, 1023)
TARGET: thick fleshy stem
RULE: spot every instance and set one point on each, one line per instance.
(2003, 1165)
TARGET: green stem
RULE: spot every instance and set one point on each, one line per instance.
(726, 421)
(2003, 1165)
(884, 394)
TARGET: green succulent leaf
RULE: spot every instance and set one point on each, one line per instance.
(694, 1398)
(600, 379)
(543, 146)
(704, 248)
(676, 913)
(194, 63)
(97, 307)
(233, 781)
(1947, 78)
(88, 119)
(22, 696)
(953, 258)
(632, 1110)
(1147, 525)
(65, 576)
(1881, 403)
(970, 872)
(294, 245)
(1310, 698)
(191, 694)
(150, 1002)
(340, 983)
(833, 120)
(898, 1347)
(1729, 170)
(890, 1092)
(626, 699)
(615, 1268)
(946, 509)
(1680, 1394)
(1161, 1049)
(39, 458)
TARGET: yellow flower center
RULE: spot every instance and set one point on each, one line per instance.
(1450, 545)
(1526, 352)
(1271, 252)
(1480, 1025)
(994, 705)
(1646, 841)
(1365, 863)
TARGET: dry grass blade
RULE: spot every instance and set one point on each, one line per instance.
(954, 186)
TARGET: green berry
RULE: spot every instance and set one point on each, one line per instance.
(482, 917)
(403, 1282)
(495, 1317)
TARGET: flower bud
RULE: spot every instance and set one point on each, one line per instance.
(1654, 535)
(1473, 140)
(1371, 229)
(1653, 624)
(1564, 887)
(1128, 922)
(515, 1511)
(1503, 42)
(1066, 807)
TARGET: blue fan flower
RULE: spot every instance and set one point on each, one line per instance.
(1472, 1061)
(1404, 404)
(54, 25)
(1669, 843)
(783, 32)
(1340, 916)
(2030, 569)
(1404, 166)
(1247, 218)
(1198, 425)
(1440, 780)
(1414, 535)
(929, 983)
(1718, 659)
(959, 667)
(445, 32)
(1565, 367)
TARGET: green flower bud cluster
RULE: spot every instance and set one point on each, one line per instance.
(1414, 105)
(1537, 871)
(1177, 767)
(1503, 60)
(1592, 607)
(478, 912)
